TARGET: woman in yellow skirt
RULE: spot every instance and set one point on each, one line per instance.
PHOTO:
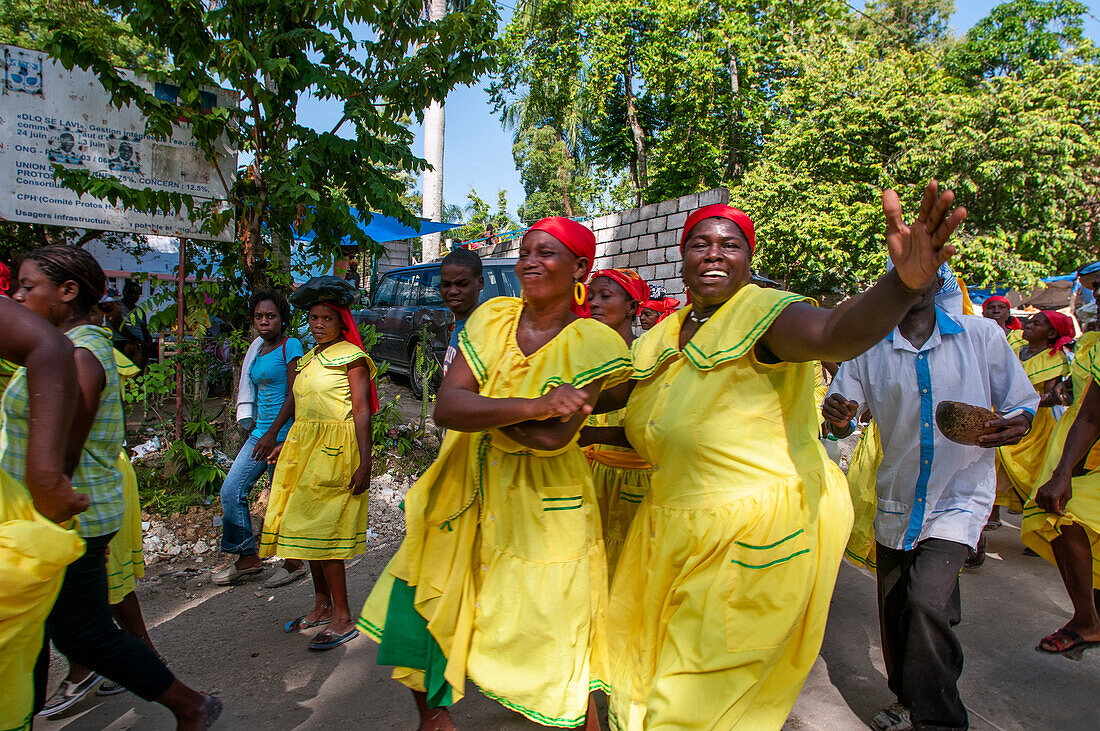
(34, 549)
(502, 575)
(999, 310)
(620, 475)
(318, 505)
(862, 473)
(723, 587)
(1043, 355)
(1062, 524)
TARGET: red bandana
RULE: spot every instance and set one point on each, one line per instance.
(720, 210)
(1013, 322)
(628, 279)
(1062, 325)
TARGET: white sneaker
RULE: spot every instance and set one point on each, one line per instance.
(69, 694)
(895, 717)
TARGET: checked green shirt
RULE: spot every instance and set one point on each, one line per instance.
(96, 475)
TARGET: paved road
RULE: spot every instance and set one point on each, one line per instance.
(230, 640)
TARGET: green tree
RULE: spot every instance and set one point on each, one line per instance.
(480, 216)
(382, 61)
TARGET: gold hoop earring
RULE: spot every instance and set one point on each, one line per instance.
(580, 294)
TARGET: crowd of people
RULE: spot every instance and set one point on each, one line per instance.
(631, 497)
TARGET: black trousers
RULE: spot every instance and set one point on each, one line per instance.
(918, 605)
(82, 628)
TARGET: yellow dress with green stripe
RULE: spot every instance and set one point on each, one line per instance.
(7, 370)
(622, 480)
(1016, 340)
(1022, 462)
(502, 576)
(1039, 527)
(311, 513)
(125, 560)
(722, 590)
(862, 474)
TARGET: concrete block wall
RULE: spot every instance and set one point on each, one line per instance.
(645, 239)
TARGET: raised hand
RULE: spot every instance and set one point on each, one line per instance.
(919, 249)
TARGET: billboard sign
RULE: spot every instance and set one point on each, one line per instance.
(52, 117)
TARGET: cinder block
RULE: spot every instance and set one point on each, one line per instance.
(677, 221)
(669, 238)
(630, 215)
(648, 211)
(656, 225)
(689, 202)
(647, 273)
(712, 196)
(637, 259)
(638, 228)
(604, 235)
(667, 271)
(655, 256)
(620, 260)
(666, 207)
(628, 245)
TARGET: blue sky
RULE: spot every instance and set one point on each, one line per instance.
(478, 151)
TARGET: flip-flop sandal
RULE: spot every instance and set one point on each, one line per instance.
(992, 525)
(1077, 642)
(301, 623)
(326, 640)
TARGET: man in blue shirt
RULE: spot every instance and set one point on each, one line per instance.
(933, 494)
(460, 285)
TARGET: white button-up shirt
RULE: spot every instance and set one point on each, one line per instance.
(927, 485)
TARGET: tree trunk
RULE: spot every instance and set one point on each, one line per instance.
(733, 160)
(563, 177)
(641, 181)
(432, 207)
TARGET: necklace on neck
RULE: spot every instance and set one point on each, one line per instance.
(698, 320)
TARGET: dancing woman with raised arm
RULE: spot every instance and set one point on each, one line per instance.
(722, 590)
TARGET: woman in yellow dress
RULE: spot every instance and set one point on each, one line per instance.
(34, 547)
(1062, 524)
(502, 575)
(620, 475)
(999, 310)
(723, 586)
(1044, 359)
(318, 505)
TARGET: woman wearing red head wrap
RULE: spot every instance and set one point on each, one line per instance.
(998, 309)
(734, 551)
(318, 505)
(621, 476)
(502, 575)
(1046, 335)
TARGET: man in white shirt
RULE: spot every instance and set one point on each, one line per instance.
(933, 494)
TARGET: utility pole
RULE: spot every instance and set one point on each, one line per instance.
(432, 208)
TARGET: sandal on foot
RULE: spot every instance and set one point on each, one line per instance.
(282, 577)
(230, 574)
(1076, 642)
(327, 640)
(895, 717)
(69, 694)
(213, 711)
(301, 623)
(992, 525)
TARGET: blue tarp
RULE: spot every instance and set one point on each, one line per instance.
(383, 228)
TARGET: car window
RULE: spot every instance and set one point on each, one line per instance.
(509, 284)
(428, 280)
(406, 290)
(387, 290)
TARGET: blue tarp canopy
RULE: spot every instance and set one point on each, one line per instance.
(383, 228)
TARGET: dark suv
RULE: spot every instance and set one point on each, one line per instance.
(407, 300)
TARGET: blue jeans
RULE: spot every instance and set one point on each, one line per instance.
(237, 536)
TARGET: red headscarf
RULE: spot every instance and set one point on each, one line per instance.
(1062, 325)
(350, 332)
(628, 279)
(1013, 322)
(663, 307)
(579, 239)
(720, 210)
(5, 279)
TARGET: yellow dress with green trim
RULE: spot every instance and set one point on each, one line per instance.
(311, 513)
(34, 552)
(1039, 527)
(125, 560)
(1022, 462)
(503, 555)
(1016, 340)
(7, 370)
(622, 481)
(862, 476)
(722, 590)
